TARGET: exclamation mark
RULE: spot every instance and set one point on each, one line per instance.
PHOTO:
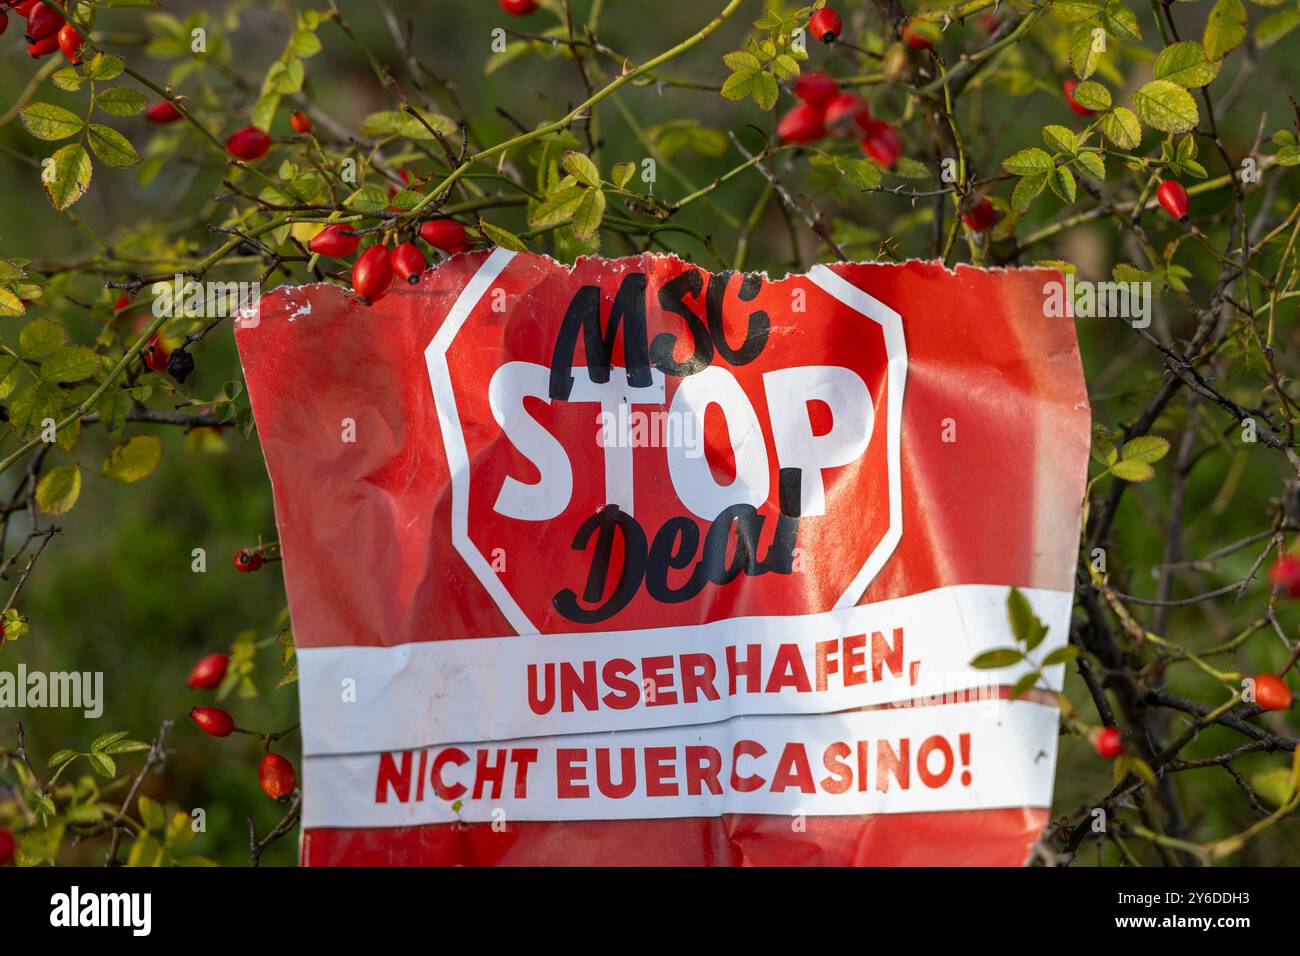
(963, 741)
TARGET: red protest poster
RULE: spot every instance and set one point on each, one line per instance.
(630, 563)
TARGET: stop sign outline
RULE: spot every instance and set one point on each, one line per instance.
(453, 437)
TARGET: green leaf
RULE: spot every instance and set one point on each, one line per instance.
(998, 657)
(1062, 183)
(1027, 190)
(40, 338)
(908, 168)
(1084, 52)
(304, 43)
(111, 146)
(559, 206)
(180, 831)
(1122, 128)
(1028, 162)
(1060, 139)
(145, 851)
(501, 237)
(133, 459)
(102, 741)
(1166, 106)
(1142, 770)
(739, 85)
(10, 304)
(1276, 25)
(1122, 22)
(1092, 164)
(582, 168)
(72, 363)
(102, 764)
(368, 199)
(858, 172)
(1276, 785)
(1025, 625)
(622, 174)
(1092, 95)
(587, 217)
(1062, 654)
(284, 77)
(69, 176)
(59, 489)
(120, 101)
(32, 405)
(1225, 29)
(61, 757)
(1148, 448)
(1024, 684)
(1132, 470)
(126, 747)
(49, 122)
(151, 813)
(741, 61)
(105, 66)
(765, 90)
(84, 813)
(1185, 64)
(397, 122)
(1076, 11)
(67, 78)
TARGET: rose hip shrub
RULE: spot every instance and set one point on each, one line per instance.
(359, 144)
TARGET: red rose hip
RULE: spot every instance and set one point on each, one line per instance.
(918, 34)
(847, 113)
(246, 560)
(335, 241)
(1285, 575)
(409, 262)
(7, 847)
(276, 776)
(981, 216)
(155, 355)
(445, 234)
(802, 124)
(43, 47)
(1109, 743)
(1272, 692)
(881, 143)
(518, 8)
(43, 21)
(209, 672)
(1174, 198)
(162, 113)
(300, 122)
(70, 41)
(213, 720)
(248, 144)
(815, 89)
(372, 274)
(825, 25)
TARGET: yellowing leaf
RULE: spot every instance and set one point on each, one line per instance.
(68, 178)
(133, 459)
(59, 489)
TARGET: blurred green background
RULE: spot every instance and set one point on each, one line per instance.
(115, 591)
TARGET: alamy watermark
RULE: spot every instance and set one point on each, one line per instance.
(661, 428)
(191, 299)
(80, 690)
(1084, 299)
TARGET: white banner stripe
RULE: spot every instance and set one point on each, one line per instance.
(373, 699)
(981, 755)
